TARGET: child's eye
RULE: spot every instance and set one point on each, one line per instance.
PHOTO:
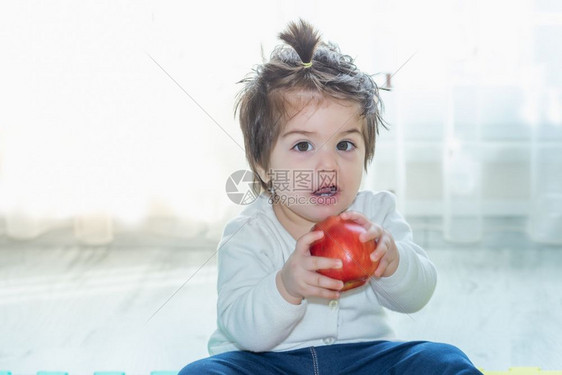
(302, 146)
(345, 146)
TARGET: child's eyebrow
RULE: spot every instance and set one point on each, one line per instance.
(303, 132)
(350, 131)
(308, 133)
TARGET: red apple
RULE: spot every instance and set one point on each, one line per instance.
(341, 241)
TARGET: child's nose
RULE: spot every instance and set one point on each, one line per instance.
(327, 159)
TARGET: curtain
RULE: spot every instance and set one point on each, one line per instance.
(119, 115)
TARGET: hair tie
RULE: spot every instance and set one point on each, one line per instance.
(307, 65)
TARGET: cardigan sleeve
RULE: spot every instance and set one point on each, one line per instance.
(412, 285)
(250, 310)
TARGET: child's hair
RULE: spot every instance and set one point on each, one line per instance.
(309, 64)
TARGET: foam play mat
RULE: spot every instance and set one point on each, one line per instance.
(523, 371)
(94, 373)
(511, 371)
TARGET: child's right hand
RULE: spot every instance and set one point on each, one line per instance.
(298, 278)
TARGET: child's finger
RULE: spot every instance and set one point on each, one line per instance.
(381, 268)
(374, 231)
(383, 246)
(378, 253)
(320, 281)
(322, 293)
(303, 243)
(357, 217)
(314, 263)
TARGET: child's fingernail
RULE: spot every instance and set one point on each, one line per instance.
(339, 264)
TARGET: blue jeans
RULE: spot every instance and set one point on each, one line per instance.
(373, 358)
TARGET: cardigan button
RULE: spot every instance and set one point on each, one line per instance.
(333, 304)
(328, 340)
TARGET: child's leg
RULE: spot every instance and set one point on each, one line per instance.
(434, 358)
(247, 363)
(384, 357)
(377, 357)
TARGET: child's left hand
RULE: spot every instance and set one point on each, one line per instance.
(385, 248)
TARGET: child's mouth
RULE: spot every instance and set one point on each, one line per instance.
(326, 191)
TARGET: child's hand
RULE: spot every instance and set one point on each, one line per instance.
(385, 250)
(298, 278)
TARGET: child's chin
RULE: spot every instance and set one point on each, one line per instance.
(329, 208)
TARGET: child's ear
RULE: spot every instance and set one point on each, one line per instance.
(262, 173)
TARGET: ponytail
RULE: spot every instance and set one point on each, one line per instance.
(303, 38)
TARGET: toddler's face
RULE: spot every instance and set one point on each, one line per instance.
(317, 162)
